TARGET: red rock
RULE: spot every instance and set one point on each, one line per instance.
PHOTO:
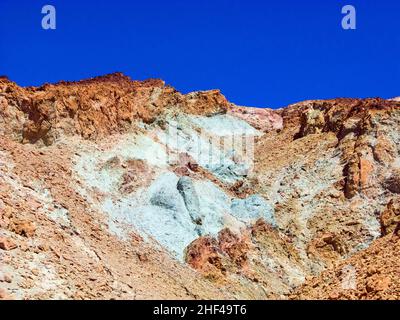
(204, 255)
(366, 168)
(260, 118)
(181, 171)
(185, 159)
(235, 246)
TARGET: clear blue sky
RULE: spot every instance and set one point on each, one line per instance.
(259, 53)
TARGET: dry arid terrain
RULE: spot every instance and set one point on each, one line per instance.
(118, 189)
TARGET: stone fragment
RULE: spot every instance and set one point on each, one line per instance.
(7, 244)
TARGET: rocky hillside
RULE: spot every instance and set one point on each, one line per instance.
(119, 189)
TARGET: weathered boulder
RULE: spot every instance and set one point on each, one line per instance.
(187, 190)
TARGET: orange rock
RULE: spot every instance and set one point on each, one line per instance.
(379, 283)
(366, 168)
(205, 103)
(23, 228)
(98, 107)
(204, 255)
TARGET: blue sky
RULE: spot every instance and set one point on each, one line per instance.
(259, 53)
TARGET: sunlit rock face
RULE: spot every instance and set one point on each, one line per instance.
(171, 209)
(114, 188)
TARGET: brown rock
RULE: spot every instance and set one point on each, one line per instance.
(327, 247)
(7, 244)
(193, 166)
(186, 160)
(396, 231)
(23, 228)
(390, 217)
(142, 256)
(35, 272)
(205, 103)
(303, 177)
(235, 246)
(138, 173)
(96, 107)
(358, 173)
(7, 278)
(204, 255)
(182, 171)
(393, 182)
(352, 174)
(312, 121)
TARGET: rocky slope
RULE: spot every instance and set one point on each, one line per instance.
(119, 189)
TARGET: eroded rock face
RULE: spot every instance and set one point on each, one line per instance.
(256, 255)
(384, 150)
(107, 184)
(327, 247)
(368, 275)
(263, 119)
(358, 125)
(97, 107)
